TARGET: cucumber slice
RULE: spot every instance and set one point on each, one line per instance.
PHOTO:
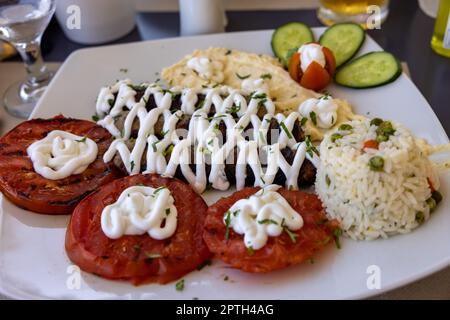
(370, 70)
(344, 39)
(289, 37)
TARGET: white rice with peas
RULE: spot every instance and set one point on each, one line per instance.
(378, 197)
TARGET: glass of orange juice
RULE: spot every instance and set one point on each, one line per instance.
(358, 11)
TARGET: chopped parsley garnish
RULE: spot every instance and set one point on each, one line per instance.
(131, 165)
(326, 96)
(204, 150)
(266, 76)
(250, 251)
(262, 179)
(220, 116)
(234, 109)
(303, 121)
(292, 235)
(83, 140)
(140, 87)
(95, 118)
(327, 180)
(267, 221)
(157, 190)
(111, 102)
(227, 224)
(310, 148)
(259, 96)
(167, 211)
(337, 233)
(168, 150)
(285, 129)
(204, 264)
(154, 145)
(179, 286)
(242, 77)
(313, 117)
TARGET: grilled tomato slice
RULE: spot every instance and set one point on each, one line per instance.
(29, 190)
(138, 258)
(279, 252)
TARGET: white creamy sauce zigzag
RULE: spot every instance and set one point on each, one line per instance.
(202, 134)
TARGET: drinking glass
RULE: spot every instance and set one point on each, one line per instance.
(335, 11)
(22, 23)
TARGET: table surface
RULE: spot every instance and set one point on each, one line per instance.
(406, 33)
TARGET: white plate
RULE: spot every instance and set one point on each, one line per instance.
(33, 263)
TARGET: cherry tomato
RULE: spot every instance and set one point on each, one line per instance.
(315, 77)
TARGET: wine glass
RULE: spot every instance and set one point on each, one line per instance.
(22, 23)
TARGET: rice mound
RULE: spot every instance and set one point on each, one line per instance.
(371, 204)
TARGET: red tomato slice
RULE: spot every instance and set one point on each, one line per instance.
(139, 259)
(279, 252)
(27, 189)
(330, 61)
(294, 67)
(315, 77)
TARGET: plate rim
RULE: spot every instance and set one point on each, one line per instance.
(436, 267)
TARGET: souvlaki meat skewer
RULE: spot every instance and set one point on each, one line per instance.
(211, 136)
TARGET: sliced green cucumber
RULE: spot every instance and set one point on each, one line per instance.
(370, 70)
(344, 39)
(289, 37)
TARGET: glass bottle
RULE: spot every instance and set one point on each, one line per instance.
(440, 42)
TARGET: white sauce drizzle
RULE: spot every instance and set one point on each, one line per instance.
(140, 210)
(207, 69)
(61, 154)
(311, 52)
(203, 134)
(252, 85)
(325, 109)
(264, 214)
